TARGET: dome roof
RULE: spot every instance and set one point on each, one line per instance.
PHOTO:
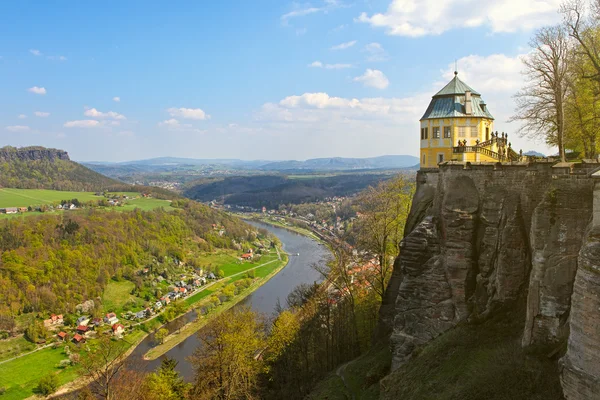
(450, 102)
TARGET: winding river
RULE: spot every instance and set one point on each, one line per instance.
(264, 299)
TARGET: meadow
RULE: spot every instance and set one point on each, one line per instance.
(37, 197)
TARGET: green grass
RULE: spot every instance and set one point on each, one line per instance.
(198, 296)
(361, 376)
(117, 294)
(145, 204)
(230, 263)
(20, 377)
(30, 197)
(37, 197)
(15, 346)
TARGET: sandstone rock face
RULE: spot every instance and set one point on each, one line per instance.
(32, 153)
(479, 238)
(558, 226)
(580, 376)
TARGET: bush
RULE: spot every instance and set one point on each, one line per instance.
(48, 384)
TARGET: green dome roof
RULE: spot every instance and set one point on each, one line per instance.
(455, 86)
(450, 102)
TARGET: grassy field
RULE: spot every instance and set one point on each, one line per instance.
(38, 197)
(31, 197)
(12, 347)
(20, 377)
(117, 294)
(230, 263)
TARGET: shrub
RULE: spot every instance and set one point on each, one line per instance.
(48, 384)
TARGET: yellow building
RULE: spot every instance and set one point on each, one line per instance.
(458, 126)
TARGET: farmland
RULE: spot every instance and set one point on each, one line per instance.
(39, 197)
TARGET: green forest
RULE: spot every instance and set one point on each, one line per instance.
(51, 263)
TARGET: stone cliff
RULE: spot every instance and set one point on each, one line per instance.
(481, 237)
(31, 153)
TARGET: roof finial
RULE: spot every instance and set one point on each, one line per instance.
(455, 67)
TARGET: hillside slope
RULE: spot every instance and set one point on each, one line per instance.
(42, 168)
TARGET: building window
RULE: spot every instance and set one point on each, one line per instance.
(487, 133)
(447, 132)
(440, 158)
(436, 132)
(423, 159)
(474, 132)
(462, 131)
(423, 133)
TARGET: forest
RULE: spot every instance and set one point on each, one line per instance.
(272, 191)
(560, 101)
(51, 263)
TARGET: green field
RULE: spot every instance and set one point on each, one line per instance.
(15, 346)
(117, 294)
(38, 197)
(20, 377)
(230, 263)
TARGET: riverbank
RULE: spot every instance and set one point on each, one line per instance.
(175, 338)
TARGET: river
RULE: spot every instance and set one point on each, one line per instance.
(264, 299)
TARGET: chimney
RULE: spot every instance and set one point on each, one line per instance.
(468, 105)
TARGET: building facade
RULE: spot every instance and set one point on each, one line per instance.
(458, 126)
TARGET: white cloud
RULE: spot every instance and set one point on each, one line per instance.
(22, 116)
(373, 78)
(126, 133)
(188, 113)
(41, 114)
(92, 112)
(170, 122)
(37, 90)
(85, 123)
(35, 52)
(302, 11)
(339, 28)
(496, 73)
(301, 31)
(375, 52)
(117, 99)
(58, 58)
(344, 46)
(18, 128)
(415, 18)
(319, 64)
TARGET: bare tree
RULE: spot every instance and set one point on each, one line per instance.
(103, 366)
(541, 102)
(583, 27)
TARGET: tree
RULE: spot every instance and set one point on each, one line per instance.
(226, 363)
(582, 111)
(102, 366)
(383, 212)
(161, 335)
(165, 383)
(541, 102)
(48, 384)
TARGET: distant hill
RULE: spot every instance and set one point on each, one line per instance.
(272, 190)
(44, 168)
(164, 164)
(533, 153)
(343, 164)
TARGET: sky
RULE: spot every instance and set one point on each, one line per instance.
(261, 79)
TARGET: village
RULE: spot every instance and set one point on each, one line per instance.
(183, 284)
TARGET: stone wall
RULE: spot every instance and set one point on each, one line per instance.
(478, 238)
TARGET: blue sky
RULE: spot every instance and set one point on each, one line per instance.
(259, 79)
